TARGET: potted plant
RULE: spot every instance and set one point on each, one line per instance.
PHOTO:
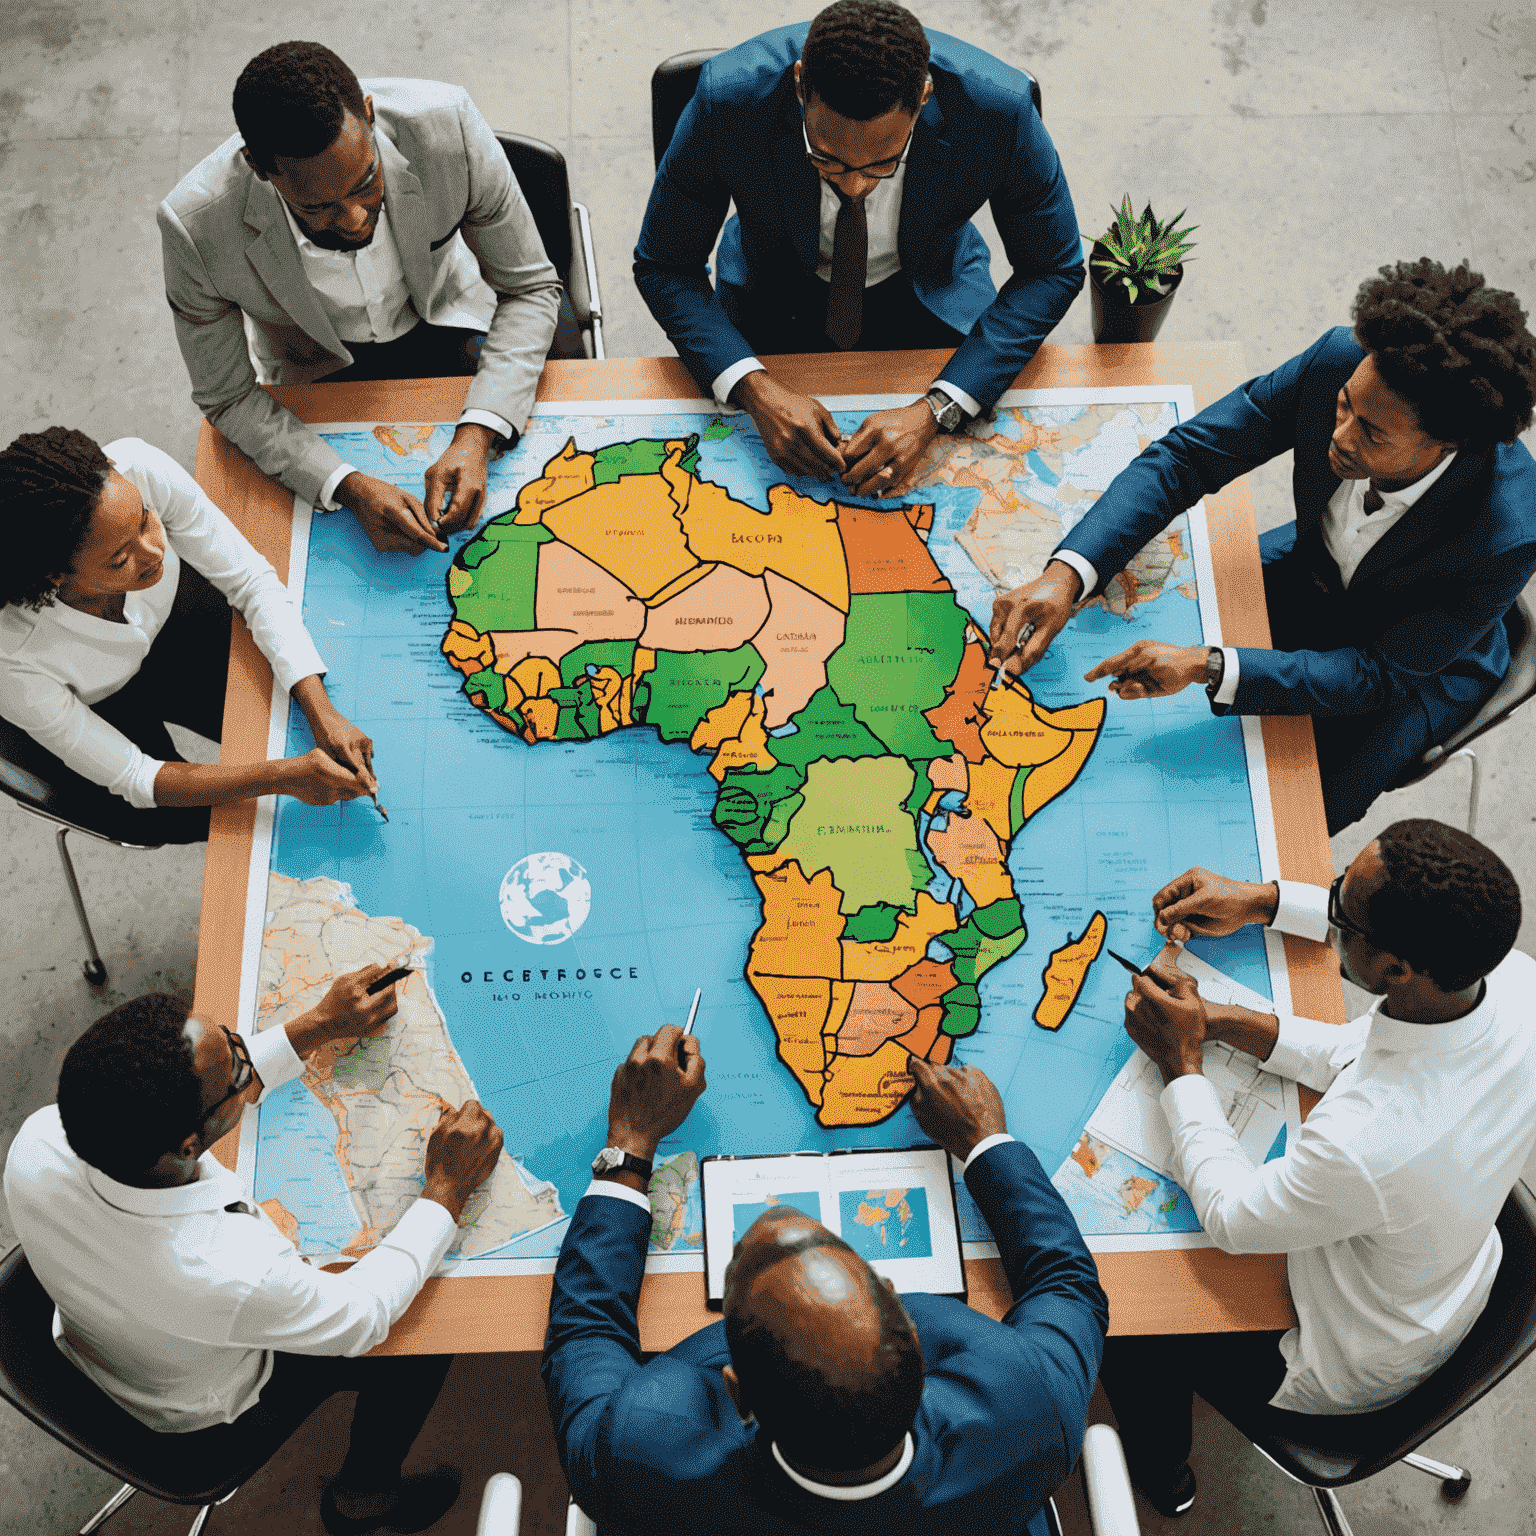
(1133, 271)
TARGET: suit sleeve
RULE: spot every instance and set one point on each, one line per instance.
(499, 230)
(1038, 224)
(1059, 1313)
(593, 1342)
(682, 220)
(1250, 426)
(210, 331)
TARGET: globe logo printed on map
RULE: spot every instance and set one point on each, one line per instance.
(545, 898)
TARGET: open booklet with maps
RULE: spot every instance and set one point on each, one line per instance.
(670, 719)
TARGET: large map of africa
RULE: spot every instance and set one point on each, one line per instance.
(686, 673)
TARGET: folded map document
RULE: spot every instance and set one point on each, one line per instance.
(895, 1209)
(1257, 1104)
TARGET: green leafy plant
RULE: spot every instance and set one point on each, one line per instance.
(1142, 254)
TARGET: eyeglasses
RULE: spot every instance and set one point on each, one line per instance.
(239, 1081)
(1336, 913)
(877, 170)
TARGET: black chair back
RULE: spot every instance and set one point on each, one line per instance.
(18, 777)
(540, 171)
(676, 79)
(1332, 1450)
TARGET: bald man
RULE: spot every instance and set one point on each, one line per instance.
(824, 1400)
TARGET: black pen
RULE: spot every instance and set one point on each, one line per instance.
(1135, 970)
(400, 972)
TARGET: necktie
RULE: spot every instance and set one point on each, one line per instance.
(1373, 495)
(850, 261)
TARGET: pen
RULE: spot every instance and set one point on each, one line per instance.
(1135, 970)
(693, 1011)
(379, 808)
(997, 674)
(389, 978)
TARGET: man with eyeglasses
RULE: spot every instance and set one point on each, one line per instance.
(1385, 1203)
(351, 232)
(187, 1303)
(857, 149)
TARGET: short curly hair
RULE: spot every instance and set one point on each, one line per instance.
(863, 58)
(1449, 905)
(1457, 350)
(292, 100)
(129, 1090)
(50, 483)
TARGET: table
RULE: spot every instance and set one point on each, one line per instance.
(1178, 1291)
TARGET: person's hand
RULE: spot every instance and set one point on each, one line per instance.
(955, 1106)
(347, 1011)
(460, 475)
(653, 1090)
(334, 734)
(883, 455)
(392, 518)
(1046, 602)
(461, 1156)
(1152, 669)
(318, 779)
(1211, 906)
(798, 432)
(1165, 1016)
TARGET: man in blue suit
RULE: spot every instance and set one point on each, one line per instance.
(857, 149)
(1415, 530)
(823, 1402)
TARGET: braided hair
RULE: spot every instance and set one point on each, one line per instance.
(50, 482)
(1457, 350)
(865, 57)
(1449, 906)
(292, 99)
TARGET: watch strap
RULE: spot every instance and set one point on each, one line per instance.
(626, 1162)
(1215, 670)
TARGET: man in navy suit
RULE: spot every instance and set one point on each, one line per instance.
(857, 149)
(823, 1402)
(1415, 530)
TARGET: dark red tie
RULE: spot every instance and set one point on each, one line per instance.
(850, 262)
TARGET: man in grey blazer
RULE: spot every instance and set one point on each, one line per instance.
(358, 232)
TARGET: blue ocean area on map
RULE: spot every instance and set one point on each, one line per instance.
(745, 1212)
(540, 1027)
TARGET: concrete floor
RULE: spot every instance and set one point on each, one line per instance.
(1311, 140)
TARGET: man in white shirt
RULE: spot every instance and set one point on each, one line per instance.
(358, 232)
(179, 1297)
(1385, 1204)
(1415, 531)
(856, 150)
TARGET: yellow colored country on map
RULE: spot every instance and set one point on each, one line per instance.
(1066, 972)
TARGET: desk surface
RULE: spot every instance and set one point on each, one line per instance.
(1186, 1291)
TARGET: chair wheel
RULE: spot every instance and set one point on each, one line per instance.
(94, 972)
(1454, 1489)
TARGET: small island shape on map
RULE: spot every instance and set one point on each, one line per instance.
(1066, 971)
(871, 780)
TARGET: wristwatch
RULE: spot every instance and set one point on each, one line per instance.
(1215, 670)
(617, 1160)
(947, 413)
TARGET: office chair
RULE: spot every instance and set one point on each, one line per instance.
(676, 79)
(1518, 686)
(1324, 1452)
(1106, 1484)
(501, 1506)
(37, 1380)
(566, 230)
(39, 798)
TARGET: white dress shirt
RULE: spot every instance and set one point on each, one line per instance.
(57, 662)
(173, 1300)
(1349, 532)
(1385, 1203)
(365, 297)
(882, 221)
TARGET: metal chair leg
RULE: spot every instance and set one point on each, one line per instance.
(108, 1509)
(1454, 1481)
(1473, 788)
(202, 1520)
(1332, 1512)
(95, 972)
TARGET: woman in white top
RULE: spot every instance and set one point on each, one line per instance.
(115, 605)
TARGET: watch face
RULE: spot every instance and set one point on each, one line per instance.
(607, 1160)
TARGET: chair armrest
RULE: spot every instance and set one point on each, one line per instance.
(578, 1522)
(581, 283)
(501, 1506)
(1107, 1484)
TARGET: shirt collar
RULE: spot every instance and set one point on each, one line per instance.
(1401, 500)
(213, 1188)
(1389, 1034)
(857, 1491)
(303, 241)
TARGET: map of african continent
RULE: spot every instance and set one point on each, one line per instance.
(869, 775)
